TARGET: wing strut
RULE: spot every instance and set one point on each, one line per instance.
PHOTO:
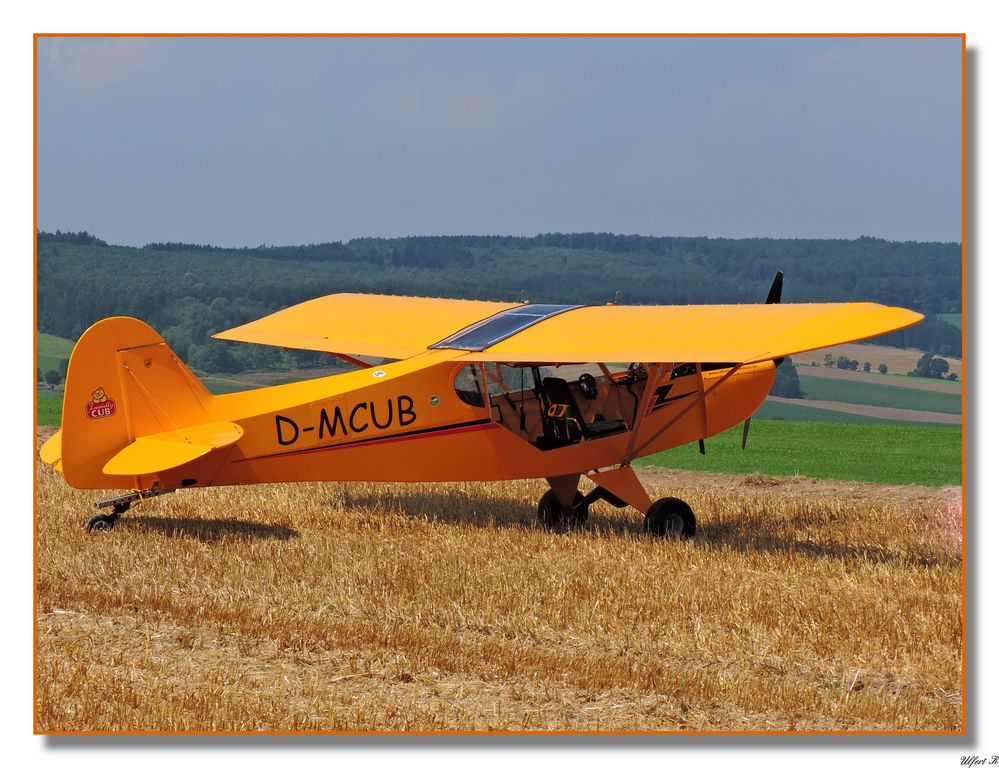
(630, 454)
(643, 406)
(350, 359)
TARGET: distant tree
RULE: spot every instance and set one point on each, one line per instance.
(786, 382)
(213, 357)
(53, 378)
(952, 376)
(867, 367)
(63, 367)
(939, 367)
(829, 360)
(883, 368)
(931, 367)
(846, 364)
(39, 377)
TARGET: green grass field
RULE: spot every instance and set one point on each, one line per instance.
(865, 393)
(51, 351)
(49, 407)
(793, 412)
(888, 379)
(875, 453)
(954, 319)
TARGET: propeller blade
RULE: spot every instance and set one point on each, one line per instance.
(772, 298)
(700, 446)
(775, 289)
(745, 433)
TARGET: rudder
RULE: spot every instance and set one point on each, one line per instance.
(124, 384)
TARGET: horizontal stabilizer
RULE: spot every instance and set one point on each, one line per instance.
(165, 450)
(51, 452)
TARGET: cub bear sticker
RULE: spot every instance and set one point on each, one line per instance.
(101, 405)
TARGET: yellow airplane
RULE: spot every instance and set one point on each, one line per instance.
(468, 390)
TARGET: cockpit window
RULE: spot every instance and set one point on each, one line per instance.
(468, 385)
(506, 379)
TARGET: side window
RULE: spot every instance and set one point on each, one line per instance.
(507, 379)
(468, 385)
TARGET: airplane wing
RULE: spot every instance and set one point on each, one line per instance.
(402, 326)
(366, 324)
(733, 333)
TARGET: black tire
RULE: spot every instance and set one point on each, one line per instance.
(99, 523)
(551, 514)
(670, 518)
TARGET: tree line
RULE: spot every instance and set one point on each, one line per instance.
(190, 291)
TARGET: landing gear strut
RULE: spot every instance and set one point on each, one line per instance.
(119, 506)
(666, 518)
(551, 513)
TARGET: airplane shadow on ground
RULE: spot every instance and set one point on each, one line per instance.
(481, 512)
(207, 530)
(727, 537)
(750, 536)
(606, 520)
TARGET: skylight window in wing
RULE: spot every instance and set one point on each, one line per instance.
(492, 330)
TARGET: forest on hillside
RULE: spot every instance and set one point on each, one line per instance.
(188, 292)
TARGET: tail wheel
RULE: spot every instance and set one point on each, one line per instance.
(106, 522)
(551, 513)
(670, 518)
(100, 523)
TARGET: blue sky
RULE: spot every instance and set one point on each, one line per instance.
(283, 141)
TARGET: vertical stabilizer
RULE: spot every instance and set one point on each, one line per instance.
(124, 384)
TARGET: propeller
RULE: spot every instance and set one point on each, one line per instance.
(775, 289)
(745, 432)
(700, 446)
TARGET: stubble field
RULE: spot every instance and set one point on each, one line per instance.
(800, 605)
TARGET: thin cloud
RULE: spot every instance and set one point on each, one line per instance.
(90, 65)
(915, 66)
(468, 103)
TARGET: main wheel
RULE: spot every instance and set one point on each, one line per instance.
(100, 523)
(670, 518)
(551, 513)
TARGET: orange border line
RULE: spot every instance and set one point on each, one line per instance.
(459, 35)
(509, 34)
(34, 390)
(964, 384)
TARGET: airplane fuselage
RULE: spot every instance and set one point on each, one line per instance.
(407, 422)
